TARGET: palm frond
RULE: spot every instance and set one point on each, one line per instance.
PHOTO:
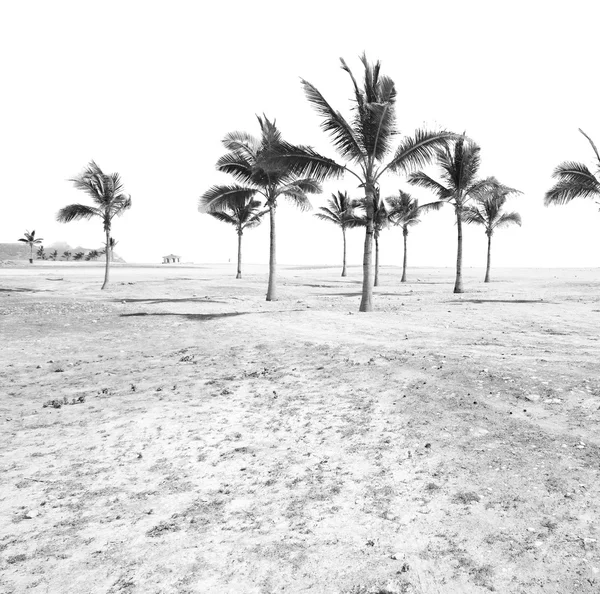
(296, 195)
(327, 216)
(224, 217)
(575, 181)
(304, 162)
(220, 198)
(343, 136)
(422, 180)
(75, 212)
(593, 145)
(419, 150)
(471, 214)
(242, 143)
(508, 218)
(238, 166)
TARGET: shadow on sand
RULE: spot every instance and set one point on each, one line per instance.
(205, 317)
(181, 300)
(21, 290)
(498, 301)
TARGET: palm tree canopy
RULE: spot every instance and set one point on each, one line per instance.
(106, 192)
(268, 166)
(488, 207)
(31, 238)
(339, 211)
(242, 216)
(406, 210)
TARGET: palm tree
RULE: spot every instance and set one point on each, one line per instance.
(53, 255)
(66, 255)
(112, 242)
(365, 143)
(40, 253)
(242, 216)
(459, 165)
(340, 212)
(487, 211)
(575, 180)
(93, 255)
(78, 256)
(32, 240)
(270, 167)
(106, 191)
(405, 211)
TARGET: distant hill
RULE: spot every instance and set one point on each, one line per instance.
(19, 251)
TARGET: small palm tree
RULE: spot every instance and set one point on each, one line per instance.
(340, 212)
(66, 255)
(53, 255)
(575, 180)
(487, 211)
(243, 216)
(92, 255)
(78, 256)
(459, 167)
(106, 192)
(405, 211)
(32, 240)
(270, 167)
(40, 253)
(367, 140)
(112, 242)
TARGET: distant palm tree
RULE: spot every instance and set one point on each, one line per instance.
(92, 255)
(112, 242)
(66, 255)
(106, 191)
(340, 212)
(53, 255)
(40, 253)
(459, 167)
(270, 167)
(32, 240)
(78, 256)
(243, 216)
(575, 180)
(487, 211)
(405, 211)
(365, 143)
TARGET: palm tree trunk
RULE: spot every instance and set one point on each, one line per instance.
(107, 253)
(239, 263)
(272, 289)
(403, 279)
(458, 285)
(366, 302)
(489, 259)
(344, 257)
(31, 253)
(376, 282)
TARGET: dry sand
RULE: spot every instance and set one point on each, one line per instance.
(216, 443)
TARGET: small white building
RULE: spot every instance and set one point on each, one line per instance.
(171, 259)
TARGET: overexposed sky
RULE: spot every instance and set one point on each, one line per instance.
(150, 88)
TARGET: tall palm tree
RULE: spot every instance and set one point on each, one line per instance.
(31, 240)
(367, 140)
(575, 180)
(241, 216)
(272, 168)
(106, 192)
(459, 166)
(340, 212)
(487, 211)
(405, 211)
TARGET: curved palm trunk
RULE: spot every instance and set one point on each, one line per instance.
(344, 257)
(458, 285)
(272, 289)
(489, 259)
(403, 279)
(376, 282)
(107, 253)
(239, 261)
(366, 302)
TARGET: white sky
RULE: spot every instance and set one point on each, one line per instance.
(149, 89)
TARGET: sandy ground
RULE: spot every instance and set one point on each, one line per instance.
(210, 442)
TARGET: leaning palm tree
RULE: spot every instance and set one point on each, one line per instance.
(367, 140)
(78, 256)
(575, 180)
(106, 191)
(272, 168)
(340, 212)
(405, 211)
(487, 211)
(459, 166)
(242, 216)
(92, 255)
(31, 240)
